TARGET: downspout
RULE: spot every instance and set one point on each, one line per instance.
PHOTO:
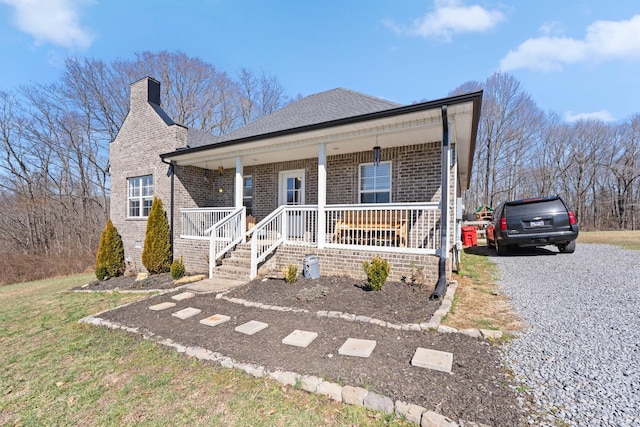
(441, 285)
(170, 173)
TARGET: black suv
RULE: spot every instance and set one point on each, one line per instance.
(533, 222)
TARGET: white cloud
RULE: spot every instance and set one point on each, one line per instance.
(551, 27)
(52, 21)
(450, 17)
(603, 115)
(604, 40)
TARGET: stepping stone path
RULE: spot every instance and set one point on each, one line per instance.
(183, 296)
(357, 347)
(185, 313)
(422, 358)
(433, 359)
(251, 327)
(300, 338)
(215, 320)
(162, 306)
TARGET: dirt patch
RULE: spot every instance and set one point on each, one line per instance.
(396, 302)
(129, 283)
(476, 390)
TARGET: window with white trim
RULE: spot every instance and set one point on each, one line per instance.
(375, 183)
(247, 193)
(140, 196)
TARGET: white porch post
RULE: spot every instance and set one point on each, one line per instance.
(239, 193)
(239, 183)
(322, 193)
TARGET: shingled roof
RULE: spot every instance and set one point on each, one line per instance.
(322, 107)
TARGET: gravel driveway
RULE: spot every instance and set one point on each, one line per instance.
(580, 355)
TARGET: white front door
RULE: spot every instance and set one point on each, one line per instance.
(291, 192)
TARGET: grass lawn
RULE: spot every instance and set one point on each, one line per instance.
(623, 239)
(55, 371)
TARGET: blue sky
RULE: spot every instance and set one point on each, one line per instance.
(575, 58)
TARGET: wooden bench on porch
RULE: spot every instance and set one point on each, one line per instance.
(372, 228)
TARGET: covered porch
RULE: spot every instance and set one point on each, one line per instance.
(298, 206)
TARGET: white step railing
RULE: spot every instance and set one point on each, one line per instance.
(225, 234)
(295, 225)
(266, 236)
(196, 221)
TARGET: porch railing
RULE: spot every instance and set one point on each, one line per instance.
(225, 234)
(402, 227)
(197, 221)
(405, 227)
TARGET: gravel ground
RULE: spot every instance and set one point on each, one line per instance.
(580, 356)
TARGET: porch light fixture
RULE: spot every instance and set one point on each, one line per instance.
(376, 155)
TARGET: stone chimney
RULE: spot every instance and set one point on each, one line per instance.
(146, 90)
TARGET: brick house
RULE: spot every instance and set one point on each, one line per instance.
(338, 174)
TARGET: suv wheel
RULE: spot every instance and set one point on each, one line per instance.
(569, 248)
(501, 250)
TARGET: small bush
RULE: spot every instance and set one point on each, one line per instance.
(110, 256)
(177, 269)
(156, 254)
(377, 272)
(290, 273)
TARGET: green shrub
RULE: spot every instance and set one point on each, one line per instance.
(156, 254)
(110, 256)
(377, 272)
(290, 273)
(101, 272)
(177, 269)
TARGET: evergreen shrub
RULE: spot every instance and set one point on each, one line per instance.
(110, 256)
(177, 269)
(156, 254)
(290, 273)
(377, 272)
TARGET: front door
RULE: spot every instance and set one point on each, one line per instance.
(291, 192)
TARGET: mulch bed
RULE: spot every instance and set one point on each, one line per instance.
(476, 390)
(129, 283)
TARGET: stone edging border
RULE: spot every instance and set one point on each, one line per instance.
(432, 325)
(312, 384)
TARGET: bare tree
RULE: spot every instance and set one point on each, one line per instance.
(54, 184)
(259, 95)
(506, 137)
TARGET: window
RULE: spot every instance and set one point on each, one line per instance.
(375, 183)
(140, 196)
(247, 193)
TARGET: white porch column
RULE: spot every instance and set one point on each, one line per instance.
(239, 193)
(322, 193)
(239, 184)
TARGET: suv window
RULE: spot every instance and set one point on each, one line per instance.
(538, 207)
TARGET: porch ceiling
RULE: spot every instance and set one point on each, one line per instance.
(415, 126)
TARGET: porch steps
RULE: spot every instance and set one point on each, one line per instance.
(236, 266)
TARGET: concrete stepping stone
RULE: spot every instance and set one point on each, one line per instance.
(183, 296)
(300, 338)
(215, 320)
(432, 359)
(357, 347)
(162, 306)
(185, 313)
(251, 327)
